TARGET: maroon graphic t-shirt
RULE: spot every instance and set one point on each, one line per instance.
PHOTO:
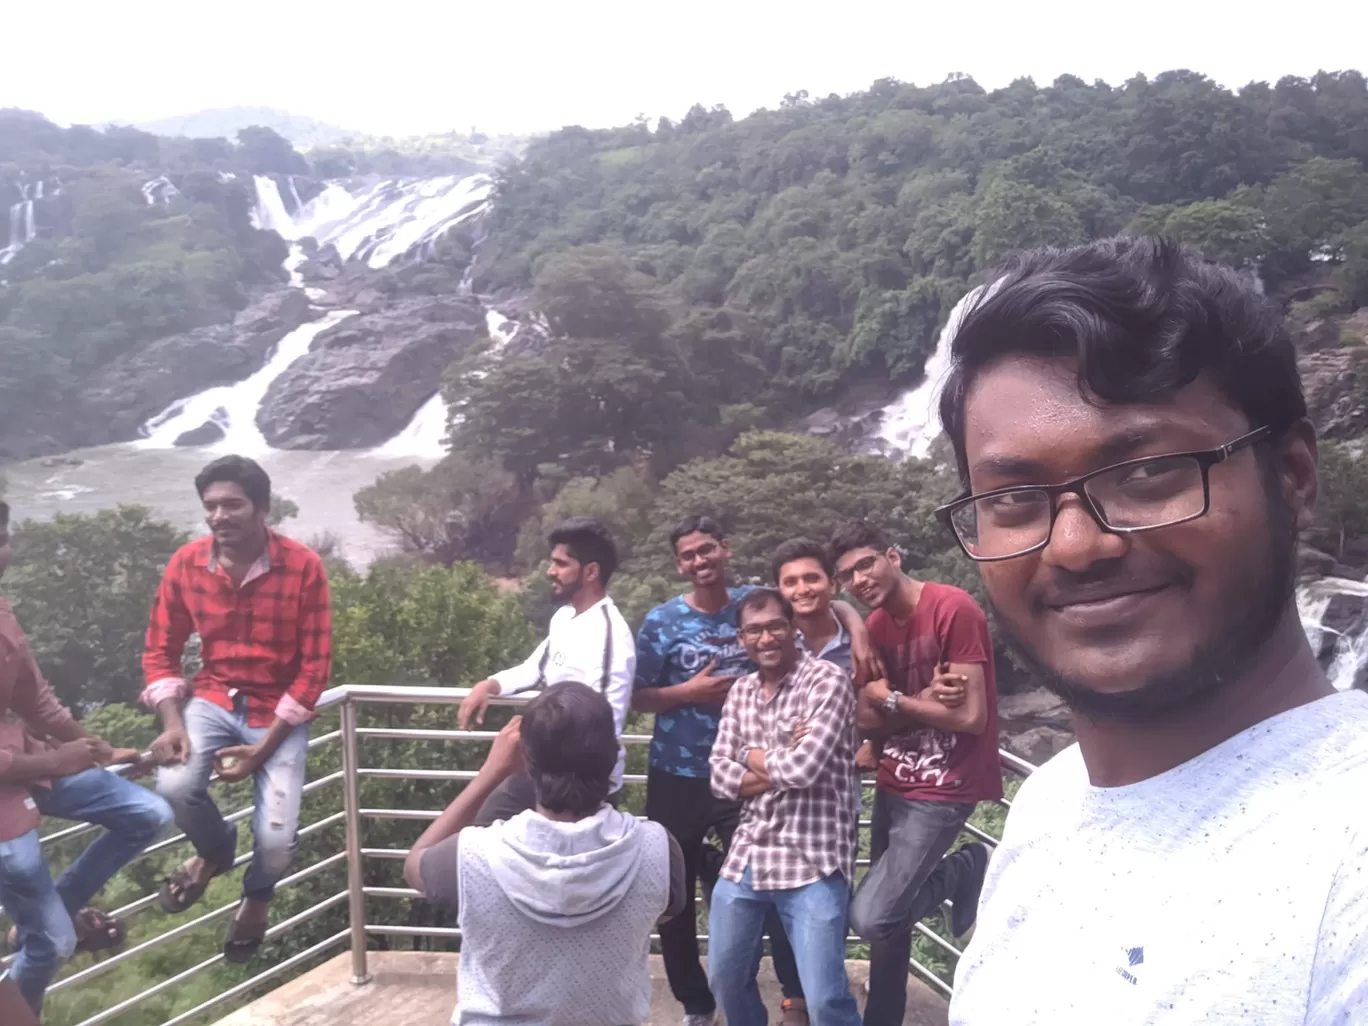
(926, 763)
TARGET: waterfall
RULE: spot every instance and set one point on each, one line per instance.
(911, 423)
(23, 223)
(294, 195)
(1342, 649)
(375, 222)
(159, 190)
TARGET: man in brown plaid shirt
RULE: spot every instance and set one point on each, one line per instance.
(786, 746)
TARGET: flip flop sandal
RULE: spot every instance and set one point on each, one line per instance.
(96, 931)
(243, 941)
(180, 890)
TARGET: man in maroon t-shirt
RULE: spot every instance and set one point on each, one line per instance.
(935, 721)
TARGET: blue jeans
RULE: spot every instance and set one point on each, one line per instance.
(132, 816)
(814, 917)
(279, 786)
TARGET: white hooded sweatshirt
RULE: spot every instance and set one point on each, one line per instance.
(556, 919)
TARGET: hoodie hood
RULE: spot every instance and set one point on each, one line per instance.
(568, 874)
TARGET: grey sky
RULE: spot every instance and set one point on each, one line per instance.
(402, 67)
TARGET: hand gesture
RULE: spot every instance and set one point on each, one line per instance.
(866, 758)
(78, 756)
(172, 746)
(865, 660)
(801, 729)
(948, 688)
(705, 688)
(505, 754)
(237, 762)
(473, 706)
(876, 692)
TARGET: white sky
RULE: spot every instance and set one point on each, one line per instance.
(526, 65)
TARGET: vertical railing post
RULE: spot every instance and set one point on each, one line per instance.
(351, 797)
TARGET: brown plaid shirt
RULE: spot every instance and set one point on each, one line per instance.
(803, 828)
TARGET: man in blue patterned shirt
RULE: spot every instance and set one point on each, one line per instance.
(688, 655)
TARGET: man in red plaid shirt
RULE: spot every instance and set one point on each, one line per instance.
(786, 745)
(259, 603)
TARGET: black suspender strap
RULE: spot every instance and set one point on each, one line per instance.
(541, 665)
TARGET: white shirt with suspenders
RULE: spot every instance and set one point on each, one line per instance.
(594, 647)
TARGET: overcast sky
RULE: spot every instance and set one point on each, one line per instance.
(504, 65)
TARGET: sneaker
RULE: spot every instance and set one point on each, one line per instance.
(974, 863)
(794, 1012)
(709, 1019)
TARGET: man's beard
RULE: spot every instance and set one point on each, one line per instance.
(565, 592)
(1222, 659)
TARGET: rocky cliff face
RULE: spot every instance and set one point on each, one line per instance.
(113, 404)
(367, 377)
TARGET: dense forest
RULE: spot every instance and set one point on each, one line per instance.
(705, 283)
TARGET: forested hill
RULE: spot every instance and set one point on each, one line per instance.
(821, 244)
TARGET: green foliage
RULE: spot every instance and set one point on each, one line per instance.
(1342, 513)
(82, 586)
(463, 508)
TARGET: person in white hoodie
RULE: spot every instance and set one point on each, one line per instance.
(556, 905)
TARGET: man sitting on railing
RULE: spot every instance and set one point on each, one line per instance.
(259, 602)
(61, 779)
(557, 903)
(1133, 439)
(588, 640)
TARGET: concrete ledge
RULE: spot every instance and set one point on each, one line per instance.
(418, 988)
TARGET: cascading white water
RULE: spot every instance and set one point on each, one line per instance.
(23, 221)
(910, 424)
(1348, 662)
(378, 223)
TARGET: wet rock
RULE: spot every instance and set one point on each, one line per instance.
(208, 433)
(367, 376)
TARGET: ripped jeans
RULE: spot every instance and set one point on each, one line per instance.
(279, 786)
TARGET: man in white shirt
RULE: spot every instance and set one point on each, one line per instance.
(588, 641)
(1132, 435)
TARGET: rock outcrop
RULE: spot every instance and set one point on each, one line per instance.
(366, 377)
(114, 403)
(1333, 357)
(1034, 724)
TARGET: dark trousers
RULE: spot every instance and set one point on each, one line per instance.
(907, 882)
(687, 808)
(515, 795)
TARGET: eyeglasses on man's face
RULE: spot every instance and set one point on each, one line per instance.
(1125, 498)
(861, 566)
(777, 629)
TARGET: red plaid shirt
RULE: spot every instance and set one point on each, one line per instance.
(270, 638)
(803, 828)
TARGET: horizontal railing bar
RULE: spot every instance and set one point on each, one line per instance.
(413, 734)
(922, 971)
(195, 970)
(419, 774)
(398, 814)
(986, 838)
(85, 828)
(391, 892)
(104, 966)
(247, 985)
(932, 935)
(1016, 763)
(384, 853)
(413, 931)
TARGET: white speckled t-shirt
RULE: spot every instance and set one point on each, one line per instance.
(1231, 889)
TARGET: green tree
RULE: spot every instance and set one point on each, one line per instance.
(82, 586)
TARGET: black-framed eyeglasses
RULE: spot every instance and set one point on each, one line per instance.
(777, 629)
(861, 566)
(1126, 498)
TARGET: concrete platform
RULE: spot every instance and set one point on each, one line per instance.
(415, 988)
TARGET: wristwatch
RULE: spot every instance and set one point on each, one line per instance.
(890, 704)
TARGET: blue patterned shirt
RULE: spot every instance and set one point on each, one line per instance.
(676, 641)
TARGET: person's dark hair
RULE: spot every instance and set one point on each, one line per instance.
(239, 470)
(700, 523)
(761, 597)
(1143, 316)
(4, 512)
(801, 548)
(570, 746)
(589, 542)
(857, 534)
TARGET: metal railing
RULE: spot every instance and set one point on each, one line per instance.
(353, 814)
